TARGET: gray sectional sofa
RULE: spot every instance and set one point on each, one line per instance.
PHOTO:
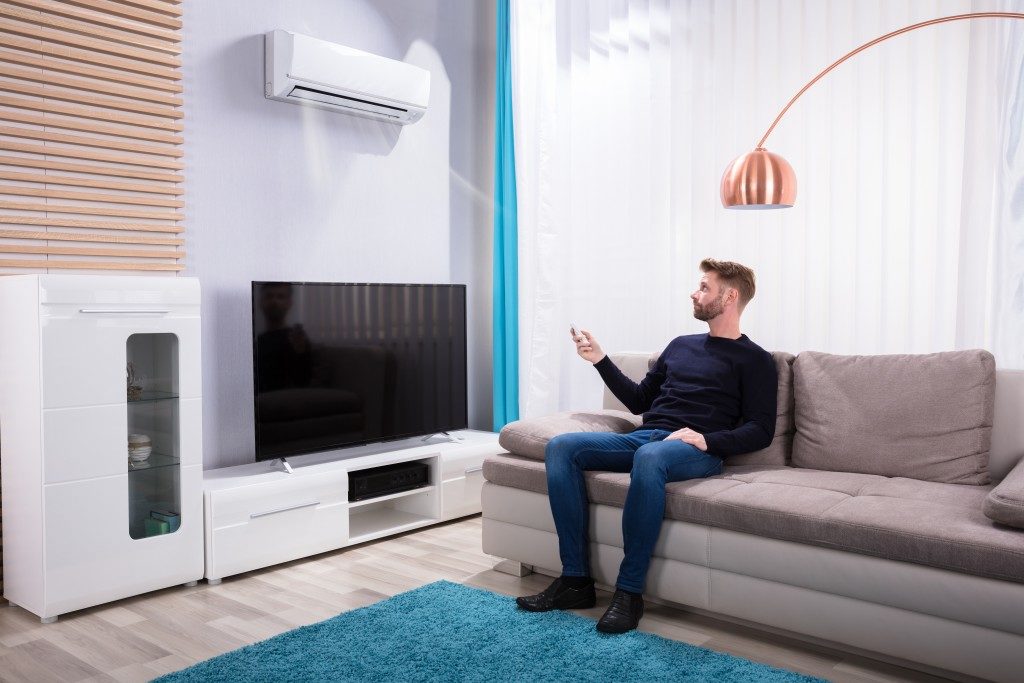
(885, 517)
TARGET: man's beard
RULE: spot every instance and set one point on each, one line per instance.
(709, 311)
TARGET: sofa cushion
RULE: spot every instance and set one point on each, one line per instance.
(926, 417)
(935, 524)
(1005, 504)
(530, 436)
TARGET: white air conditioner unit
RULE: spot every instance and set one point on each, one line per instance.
(306, 70)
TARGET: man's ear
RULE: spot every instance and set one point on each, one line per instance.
(733, 295)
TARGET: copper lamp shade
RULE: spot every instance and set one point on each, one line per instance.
(758, 180)
(762, 180)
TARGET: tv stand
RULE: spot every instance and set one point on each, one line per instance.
(453, 438)
(255, 517)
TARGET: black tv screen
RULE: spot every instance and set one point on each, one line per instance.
(337, 364)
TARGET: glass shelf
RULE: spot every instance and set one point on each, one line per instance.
(154, 485)
(154, 462)
(150, 396)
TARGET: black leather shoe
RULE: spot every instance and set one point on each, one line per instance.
(559, 596)
(623, 614)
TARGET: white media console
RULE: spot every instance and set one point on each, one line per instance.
(258, 515)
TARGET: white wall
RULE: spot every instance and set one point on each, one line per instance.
(277, 191)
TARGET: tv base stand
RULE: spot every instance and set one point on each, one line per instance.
(453, 438)
(256, 517)
(283, 464)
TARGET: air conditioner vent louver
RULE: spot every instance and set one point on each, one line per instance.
(324, 97)
(313, 72)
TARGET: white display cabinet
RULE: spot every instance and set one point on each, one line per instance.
(86, 362)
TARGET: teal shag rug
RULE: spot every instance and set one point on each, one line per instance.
(450, 632)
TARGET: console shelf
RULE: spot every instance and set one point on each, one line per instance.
(391, 496)
(257, 515)
(368, 525)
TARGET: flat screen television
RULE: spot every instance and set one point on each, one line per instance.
(338, 364)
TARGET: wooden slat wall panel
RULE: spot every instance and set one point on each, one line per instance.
(78, 124)
(91, 136)
(85, 56)
(90, 139)
(68, 10)
(51, 78)
(122, 9)
(53, 66)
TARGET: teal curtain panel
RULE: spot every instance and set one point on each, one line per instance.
(506, 260)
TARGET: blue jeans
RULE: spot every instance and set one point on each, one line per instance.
(651, 461)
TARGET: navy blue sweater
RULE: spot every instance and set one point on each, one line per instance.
(725, 389)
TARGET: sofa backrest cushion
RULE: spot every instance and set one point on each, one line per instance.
(925, 417)
(635, 366)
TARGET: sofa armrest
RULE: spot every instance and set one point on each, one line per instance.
(529, 437)
(1005, 503)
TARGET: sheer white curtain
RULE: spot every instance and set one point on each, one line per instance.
(627, 112)
(991, 296)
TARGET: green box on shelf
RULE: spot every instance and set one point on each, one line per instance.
(173, 519)
(155, 527)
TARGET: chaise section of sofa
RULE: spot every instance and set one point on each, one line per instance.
(900, 566)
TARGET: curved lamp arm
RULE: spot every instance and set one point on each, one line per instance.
(763, 180)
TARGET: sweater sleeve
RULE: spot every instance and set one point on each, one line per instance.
(636, 397)
(760, 387)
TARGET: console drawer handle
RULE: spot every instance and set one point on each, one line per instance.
(125, 311)
(254, 515)
(471, 470)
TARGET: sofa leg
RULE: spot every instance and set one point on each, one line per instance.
(514, 568)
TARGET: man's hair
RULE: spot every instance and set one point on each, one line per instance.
(732, 274)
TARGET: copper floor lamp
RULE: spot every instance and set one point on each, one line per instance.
(764, 180)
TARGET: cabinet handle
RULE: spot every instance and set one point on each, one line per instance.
(471, 470)
(254, 515)
(124, 311)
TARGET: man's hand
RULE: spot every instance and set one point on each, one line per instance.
(587, 347)
(689, 436)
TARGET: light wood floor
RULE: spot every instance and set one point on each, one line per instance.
(142, 637)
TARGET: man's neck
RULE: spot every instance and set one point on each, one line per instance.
(729, 329)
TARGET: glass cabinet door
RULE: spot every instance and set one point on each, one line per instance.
(153, 456)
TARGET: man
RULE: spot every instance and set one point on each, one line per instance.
(708, 396)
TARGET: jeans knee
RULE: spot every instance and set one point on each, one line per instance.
(649, 463)
(556, 448)
(557, 442)
(558, 454)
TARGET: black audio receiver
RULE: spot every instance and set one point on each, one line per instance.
(381, 481)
